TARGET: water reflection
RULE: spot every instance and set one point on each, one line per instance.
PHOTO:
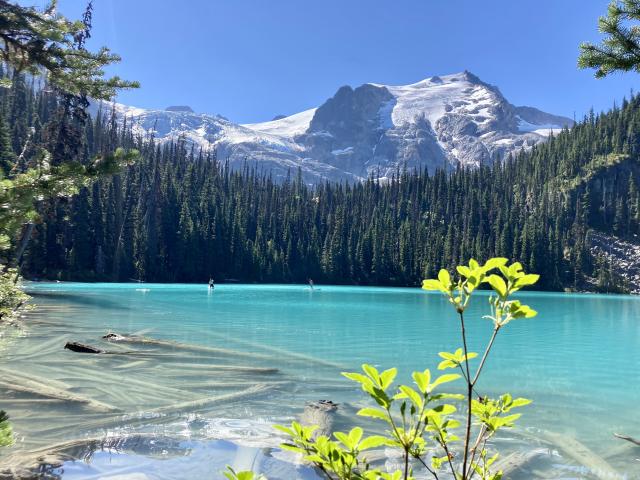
(141, 457)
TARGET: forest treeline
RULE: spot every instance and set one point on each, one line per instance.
(181, 215)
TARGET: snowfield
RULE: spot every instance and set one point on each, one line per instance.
(288, 126)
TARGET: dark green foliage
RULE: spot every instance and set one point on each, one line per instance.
(181, 215)
(620, 49)
(7, 157)
(6, 432)
(43, 155)
(43, 42)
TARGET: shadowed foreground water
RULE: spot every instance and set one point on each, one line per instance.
(233, 362)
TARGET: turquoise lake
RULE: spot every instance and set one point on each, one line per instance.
(270, 350)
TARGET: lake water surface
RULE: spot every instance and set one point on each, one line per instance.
(270, 350)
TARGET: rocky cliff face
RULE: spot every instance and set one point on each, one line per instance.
(621, 255)
(440, 122)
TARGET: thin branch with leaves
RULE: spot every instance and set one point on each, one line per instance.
(421, 420)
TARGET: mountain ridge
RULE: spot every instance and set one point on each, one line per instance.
(373, 129)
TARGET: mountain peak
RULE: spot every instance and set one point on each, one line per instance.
(436, 80)
(471, 77)
(439, 122)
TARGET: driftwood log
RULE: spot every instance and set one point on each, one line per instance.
(82, 348)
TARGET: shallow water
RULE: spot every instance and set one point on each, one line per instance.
(577, 360)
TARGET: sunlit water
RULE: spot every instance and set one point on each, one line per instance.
(180, 413)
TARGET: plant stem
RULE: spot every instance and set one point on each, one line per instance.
(424, 464)
(446, 451)
(467, 438)
(406, 463)
(486, 354)
(475, 450)
(400, 439)
(465, 377)
(484, 445)
(318, 465)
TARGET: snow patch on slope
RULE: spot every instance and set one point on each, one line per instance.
(288, 126)
(544, 130)
(434, 97)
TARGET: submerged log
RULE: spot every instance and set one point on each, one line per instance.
(229, 384)
(210, 401)
(132, 382)
(137, 339)
(82, 348)
(134, 364)
(517, 460)
(29, 376)
(33, 463)
(627, 438)
(280, 352)
(215, 368)
(40, 349)
(25, 385)
(28, 401)
(580, 453)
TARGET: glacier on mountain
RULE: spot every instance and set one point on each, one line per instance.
(372, 130)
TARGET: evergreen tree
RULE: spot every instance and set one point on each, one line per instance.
(7, 156)
(620, 49)
(50, 165)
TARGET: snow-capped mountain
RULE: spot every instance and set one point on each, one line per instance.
(440, 122)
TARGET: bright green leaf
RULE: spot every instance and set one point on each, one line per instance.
(498, 285)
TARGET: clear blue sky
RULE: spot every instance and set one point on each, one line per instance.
(250, 60)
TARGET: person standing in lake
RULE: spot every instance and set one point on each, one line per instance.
(211, 285)
(311, 284)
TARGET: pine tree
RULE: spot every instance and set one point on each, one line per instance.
(43, 43)
(7, 156)
(620, 49)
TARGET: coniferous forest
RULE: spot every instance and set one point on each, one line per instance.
(181, 215)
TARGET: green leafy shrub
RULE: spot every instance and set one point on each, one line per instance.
(6, 433)
(420, 419)
(12, 298)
